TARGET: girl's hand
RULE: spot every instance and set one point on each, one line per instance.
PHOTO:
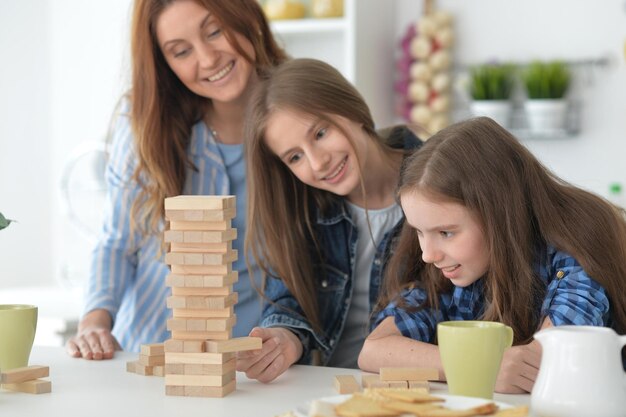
(94, 339)
(519, 369)
(281, 348)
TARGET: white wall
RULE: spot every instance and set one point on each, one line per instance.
(64, 65)
(522, 30)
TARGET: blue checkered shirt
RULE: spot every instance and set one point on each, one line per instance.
(572, 297)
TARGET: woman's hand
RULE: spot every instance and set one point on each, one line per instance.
(94, 339)
(519, 369)
(281, 348)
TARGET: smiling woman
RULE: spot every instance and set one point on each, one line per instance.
(194, 64)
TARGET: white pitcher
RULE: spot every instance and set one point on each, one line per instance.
(581, 373)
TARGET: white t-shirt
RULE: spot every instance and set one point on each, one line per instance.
(356, 327)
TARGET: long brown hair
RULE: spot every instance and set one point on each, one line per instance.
(163, 110)
(280, 219)
(522, 207)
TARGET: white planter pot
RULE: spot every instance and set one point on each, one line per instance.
(545, 116)
(498, 110)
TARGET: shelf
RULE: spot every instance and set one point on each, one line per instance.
(308, 26)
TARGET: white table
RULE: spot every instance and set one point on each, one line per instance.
(104, 388)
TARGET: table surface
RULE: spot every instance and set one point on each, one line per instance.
(104, 388)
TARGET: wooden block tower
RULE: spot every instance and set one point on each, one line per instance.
(200, 253)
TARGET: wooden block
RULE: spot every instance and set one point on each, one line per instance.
(346, 384)
(221, 247)
(213, 313)
(158, 370)
(202, 281)
(201, 369)
(398, 384)
(138, 368)
(233, 345)
(174, 390)
(409, 374)
(152, 360)
(182, 236)
(201, 215)
(213, 392)
(200, 380)
(185, 291)
(202, 269)
(188, 335)
(200, 202)
(173, 345)
(189, 346)
(201, 324)
(23, 374)
(152, 349)
(373, 381)
(186, 225)
(201, 302)
(198, 358)
(419, 384)
(34, 386)
(184, 258)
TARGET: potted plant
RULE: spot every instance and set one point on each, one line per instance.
(546, 85)
(490, 88)
(4, 222)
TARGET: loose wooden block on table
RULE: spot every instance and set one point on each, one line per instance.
(346, 384)
(201, 215)
(202, 269)
(373, 381)
(184, 258)
(26, 373)
(419, 384)
(409, 374)
(138, 368)
(192, 236)
(221, 247)
(191, 391)
(187, 225)
(202, 281)
(200, 202)
(152, 360)
(152, 349)
(34, 386)
(202, 302)
(233, 345)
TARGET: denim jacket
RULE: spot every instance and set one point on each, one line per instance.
(337, 237)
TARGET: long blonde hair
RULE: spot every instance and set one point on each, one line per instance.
(522, 207)
(281, 209)
(163, 110)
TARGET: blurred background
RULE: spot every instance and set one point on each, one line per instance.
(65, 64)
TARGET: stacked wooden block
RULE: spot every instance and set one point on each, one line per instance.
(27, 379)
(151, 361)
(411, 378)
(199, 357)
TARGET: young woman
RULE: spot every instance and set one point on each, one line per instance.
(322, 213)
(492, 235)
(179, 131)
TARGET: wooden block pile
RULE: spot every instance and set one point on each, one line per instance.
(199, 357)
(388, 378)
(27, 380)
(151, 361)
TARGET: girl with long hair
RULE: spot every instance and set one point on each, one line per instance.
(492, 235)
(177, 131)
(322, 215)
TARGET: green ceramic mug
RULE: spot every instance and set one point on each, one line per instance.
(18, 323)
(471, 352)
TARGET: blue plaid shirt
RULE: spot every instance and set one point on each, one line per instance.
(572, 297)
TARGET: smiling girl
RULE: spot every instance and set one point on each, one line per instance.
(493, 235)
(178, 131)
(322, 215)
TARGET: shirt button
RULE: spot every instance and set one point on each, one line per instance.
(560, 274)
(377, 262)
(324, 284)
